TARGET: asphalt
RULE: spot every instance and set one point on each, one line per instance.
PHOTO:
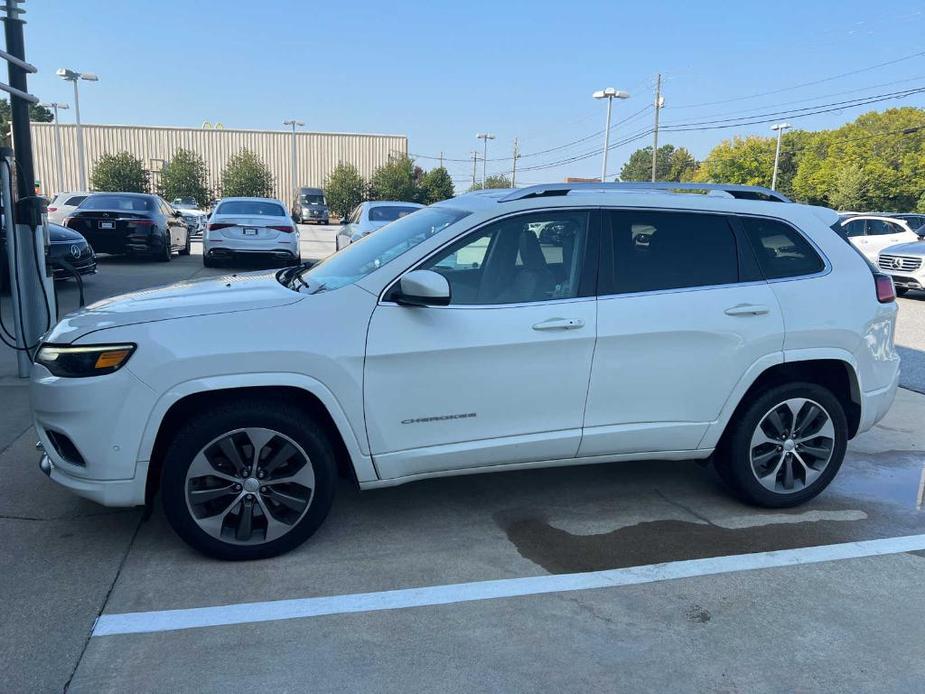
(847, 625)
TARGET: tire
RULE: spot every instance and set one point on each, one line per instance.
(186, 249)
(208, 262)
(218, 532)
(734, 458)
(165, 254)
(901, 291)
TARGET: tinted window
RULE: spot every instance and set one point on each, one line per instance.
(251, 207)
(781, 250)
(311, 199)
(389, 213)
(118, 202)
(671, 250)
(879, 227)
(535, 257)
(854, 228)
(75, 200)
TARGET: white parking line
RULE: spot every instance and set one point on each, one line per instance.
(248, 613)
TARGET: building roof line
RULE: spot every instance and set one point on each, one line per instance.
(228, 130)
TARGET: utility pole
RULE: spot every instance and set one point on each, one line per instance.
(484, 137)
(475, 159)
(780, 128)
(59, 165)
(514, 166)
(441, 158)
(294, 175)
(659, 102)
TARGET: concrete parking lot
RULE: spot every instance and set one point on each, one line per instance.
(681, 587)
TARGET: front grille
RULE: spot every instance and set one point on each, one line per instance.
(899, 263)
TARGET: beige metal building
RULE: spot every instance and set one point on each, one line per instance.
(318, 153)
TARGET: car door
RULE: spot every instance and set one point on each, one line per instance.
(683, 314)
(500, 375)
(882, 234)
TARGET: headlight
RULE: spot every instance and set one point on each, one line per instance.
(72, 361)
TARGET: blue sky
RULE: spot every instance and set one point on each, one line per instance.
(441, 72)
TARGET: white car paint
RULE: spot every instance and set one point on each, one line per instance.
(870, 234)
(250, 226)
(442, 390)
(370, 216)
(62, 204)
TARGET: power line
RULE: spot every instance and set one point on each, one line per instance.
(805, 84)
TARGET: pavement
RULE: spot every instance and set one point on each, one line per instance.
(783, 612)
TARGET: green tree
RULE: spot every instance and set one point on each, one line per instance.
(246, 176)
(37, 114)
(186, 176)
(742, 160)
(120, 172)
(498, 181)
(394, 180)
(673, 164)
(436, 185)
(344, 189)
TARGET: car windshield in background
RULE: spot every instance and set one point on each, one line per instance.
(389, 213)
(313, 200)
(117, 202)
(372, 252)
(251, 207)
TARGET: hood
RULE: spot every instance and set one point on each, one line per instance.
(916, 248)
(198, 297)
(59, 234)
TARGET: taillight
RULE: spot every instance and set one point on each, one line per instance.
(52, 209)
(282, 228)
(886, 292)
(139, 222)
(219, 225)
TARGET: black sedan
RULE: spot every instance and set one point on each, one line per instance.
(67, 246)
(131, 223)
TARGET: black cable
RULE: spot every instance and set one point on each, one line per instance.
(76, 275)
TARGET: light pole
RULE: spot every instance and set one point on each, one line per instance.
(484, 137)
(610, 94)
(60, 167)
(780, 128)
(72, 76)
(295, 166)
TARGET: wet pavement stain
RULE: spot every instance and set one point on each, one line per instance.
(654, 542)
(698, 614)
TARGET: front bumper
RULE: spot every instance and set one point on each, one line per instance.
(119, 493)
(83, 267)
(104, 417)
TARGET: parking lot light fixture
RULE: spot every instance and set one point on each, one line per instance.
(55, 106)
(74, 76)
(610, 94)
(780, 128)
(294, 175)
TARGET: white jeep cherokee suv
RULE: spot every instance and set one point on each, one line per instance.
(501, 330)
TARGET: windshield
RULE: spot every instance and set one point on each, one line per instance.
(251, 207)
(117, 202)
(313, 200)
(370, 253)
(389, 213)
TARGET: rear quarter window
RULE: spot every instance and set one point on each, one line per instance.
(780, 249)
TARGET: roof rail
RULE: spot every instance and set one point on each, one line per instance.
(726, 189)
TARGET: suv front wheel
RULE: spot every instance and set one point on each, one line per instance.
(248, 480)
(785, 446)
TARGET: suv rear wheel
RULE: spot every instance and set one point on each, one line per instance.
(785, 446)
(248, 480)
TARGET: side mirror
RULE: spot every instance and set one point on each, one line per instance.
(422, 288)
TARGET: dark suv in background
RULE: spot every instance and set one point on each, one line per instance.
(131, 223)
(310, 206)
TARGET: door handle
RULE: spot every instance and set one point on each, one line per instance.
(747, 310)
(559, 324)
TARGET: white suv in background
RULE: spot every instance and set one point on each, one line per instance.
(870, 234)
(62, 204)
(500, 330)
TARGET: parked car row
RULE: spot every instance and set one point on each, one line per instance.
(894, 243)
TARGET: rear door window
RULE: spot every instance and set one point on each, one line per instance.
(782, 251)
(654, 251)
(854, 228)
